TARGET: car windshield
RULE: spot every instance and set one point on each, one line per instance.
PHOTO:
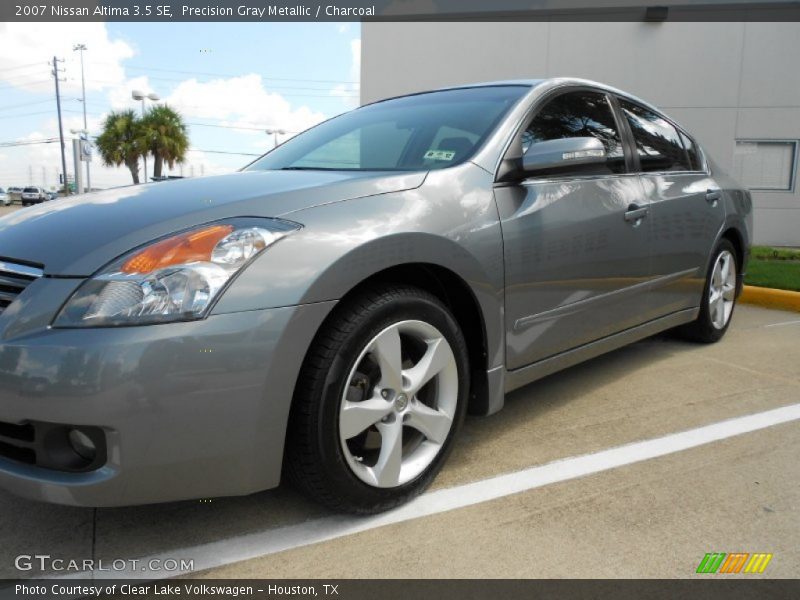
(30, 190)
(425, 131)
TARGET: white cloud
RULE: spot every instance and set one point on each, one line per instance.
(345, 91)
(26, 48)
(241, 101)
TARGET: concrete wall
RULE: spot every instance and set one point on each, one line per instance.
(722, 81)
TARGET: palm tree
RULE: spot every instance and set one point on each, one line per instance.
(167, 138)
(123, 141)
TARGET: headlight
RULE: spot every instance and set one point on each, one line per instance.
(173, 279)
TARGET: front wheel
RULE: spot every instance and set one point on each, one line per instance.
(380, 397)
(719, 297)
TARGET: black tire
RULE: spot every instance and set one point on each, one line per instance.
(314, 459)
(703, 329)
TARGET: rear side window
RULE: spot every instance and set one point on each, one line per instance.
(695, 160)
(578, 114)
(657, 142)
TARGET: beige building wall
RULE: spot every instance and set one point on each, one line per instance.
(723, 81)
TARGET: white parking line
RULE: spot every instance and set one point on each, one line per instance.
(263, 543)
(784, 323)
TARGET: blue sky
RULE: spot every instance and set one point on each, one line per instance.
(230, 80)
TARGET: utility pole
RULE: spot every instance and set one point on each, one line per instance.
(81, 48)
(56, 73)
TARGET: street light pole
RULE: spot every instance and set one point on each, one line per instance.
(81, 48)
(137, 95)
(275, 133)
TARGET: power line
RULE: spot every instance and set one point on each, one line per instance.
(28, 142)
(11, 144)
(22, 67)
(242, 127)
(19, 76)
(275, 87)
(10, 106)
(44, 112)
(224, 152)
(209, 74)
(255, 126)
(288, 94)
(39, 81)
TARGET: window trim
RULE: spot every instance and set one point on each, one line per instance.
(795, 143)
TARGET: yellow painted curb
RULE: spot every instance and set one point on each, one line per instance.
(771, 298)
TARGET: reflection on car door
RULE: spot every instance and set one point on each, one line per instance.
(577, 267)
(687, 210)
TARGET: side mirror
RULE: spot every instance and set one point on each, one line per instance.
(562, 154)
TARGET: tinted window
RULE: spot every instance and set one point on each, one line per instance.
(695, 161)
(579, 114)
(425, 131)
(657, 142)
(31, 190)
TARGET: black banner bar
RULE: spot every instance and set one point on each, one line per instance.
(396, 10)
(703, 588)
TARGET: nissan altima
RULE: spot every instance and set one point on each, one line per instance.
(331, 312)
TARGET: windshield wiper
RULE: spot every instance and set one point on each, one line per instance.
(307, 169)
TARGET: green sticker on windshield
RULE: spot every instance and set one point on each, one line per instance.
(439, 155)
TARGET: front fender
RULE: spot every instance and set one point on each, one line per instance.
(342, 244)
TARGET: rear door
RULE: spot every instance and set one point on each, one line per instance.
(576, 245)
(687, 210)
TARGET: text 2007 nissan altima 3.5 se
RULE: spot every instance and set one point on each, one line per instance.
(332, 311)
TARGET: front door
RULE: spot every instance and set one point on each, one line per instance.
(576, 245)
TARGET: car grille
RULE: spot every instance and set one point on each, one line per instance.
(15, 277)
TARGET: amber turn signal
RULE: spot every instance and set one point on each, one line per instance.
(192, 246)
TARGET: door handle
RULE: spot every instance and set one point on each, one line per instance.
(636, 213)
(712, 196)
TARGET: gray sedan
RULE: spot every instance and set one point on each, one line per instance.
(331, 312)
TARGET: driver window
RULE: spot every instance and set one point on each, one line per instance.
(578, 114)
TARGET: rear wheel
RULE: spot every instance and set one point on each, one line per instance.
(719, 297)
(379, 400)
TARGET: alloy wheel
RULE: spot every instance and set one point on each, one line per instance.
(399, 404)
(722, 289)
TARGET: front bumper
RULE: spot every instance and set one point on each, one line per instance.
(190, 410)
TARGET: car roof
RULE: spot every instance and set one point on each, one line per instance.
(532, 84)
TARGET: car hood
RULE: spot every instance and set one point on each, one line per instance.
(79, 235)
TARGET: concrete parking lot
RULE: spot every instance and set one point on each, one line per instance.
(652, 518)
